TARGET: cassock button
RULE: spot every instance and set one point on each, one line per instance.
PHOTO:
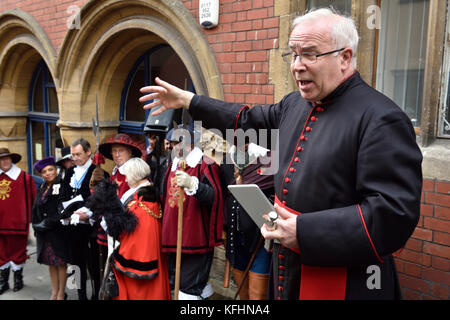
(287, 180)
(284, 202)
(280, 267)
(280, 288)
(280, 256)
(285, 191)
(297, 159)
(314, 119)
(302, 138)
(281, 278)
(299, 149)
(291, 170)
(308, 129)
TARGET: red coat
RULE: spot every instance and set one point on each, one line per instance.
(16, 201)
(140, 266)
(202, 227)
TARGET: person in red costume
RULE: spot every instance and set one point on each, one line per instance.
(17, 194)
(119, 148)
(202, 215)
(134, 222)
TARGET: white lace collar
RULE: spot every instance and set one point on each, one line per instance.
(78, 173)
(131, 191)
(192, 160)
(13, 173)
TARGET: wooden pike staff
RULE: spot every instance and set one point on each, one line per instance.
(181, 166)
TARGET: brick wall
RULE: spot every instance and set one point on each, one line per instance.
(424, 263)
(52, 15)
(241, 43)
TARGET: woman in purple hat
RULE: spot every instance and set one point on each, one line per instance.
(51, 238)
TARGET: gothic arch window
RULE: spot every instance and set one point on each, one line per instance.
(42, 133)
(160, 61)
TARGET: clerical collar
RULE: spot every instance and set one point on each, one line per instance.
(192, 160)
(338, 91)
(13, 173)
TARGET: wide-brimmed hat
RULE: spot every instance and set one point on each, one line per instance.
(15, 157)
(124, 139)
(65, 154)
(41, 164)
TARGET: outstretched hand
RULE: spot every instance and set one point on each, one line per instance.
(166, 95)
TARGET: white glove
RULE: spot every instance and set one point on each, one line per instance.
(190, 184)
(65, 222)
(75, 219)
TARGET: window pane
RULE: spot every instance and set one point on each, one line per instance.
(446, 114)
(37, 103)
(401, 53)
(134, 111)
(37, 141)
(166, 64)
(342, 6)
(55, 138)
(163, 63)
(52, 100)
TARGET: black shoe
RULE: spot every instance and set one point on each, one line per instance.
(18, 280)
(4, 277)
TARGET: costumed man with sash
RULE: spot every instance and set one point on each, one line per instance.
(349, 182)
(17, 193)
(83, 247)
(202, 215)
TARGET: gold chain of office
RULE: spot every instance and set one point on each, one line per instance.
(146, 209)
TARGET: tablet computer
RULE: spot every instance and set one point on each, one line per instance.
(254, 202)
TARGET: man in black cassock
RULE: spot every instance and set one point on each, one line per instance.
(349, 182)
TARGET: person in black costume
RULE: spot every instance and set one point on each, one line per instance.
(243, 235)
(83, 248)
(51, 236)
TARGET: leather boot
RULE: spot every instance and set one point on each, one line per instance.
(238, 275)
(4, 278)
(258, 286)
(18, 280)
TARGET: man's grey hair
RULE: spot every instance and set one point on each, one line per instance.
(343, 33)
(135, 170)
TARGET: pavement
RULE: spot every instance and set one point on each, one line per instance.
(36, 278)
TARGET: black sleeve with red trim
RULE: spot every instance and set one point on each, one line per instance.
(389, 184)
(217, 114)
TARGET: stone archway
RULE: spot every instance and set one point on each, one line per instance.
(96, 59)
(23, 43)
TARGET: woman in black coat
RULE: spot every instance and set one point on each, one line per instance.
(51, 238)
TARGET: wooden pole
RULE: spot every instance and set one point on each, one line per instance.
(179, 236)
